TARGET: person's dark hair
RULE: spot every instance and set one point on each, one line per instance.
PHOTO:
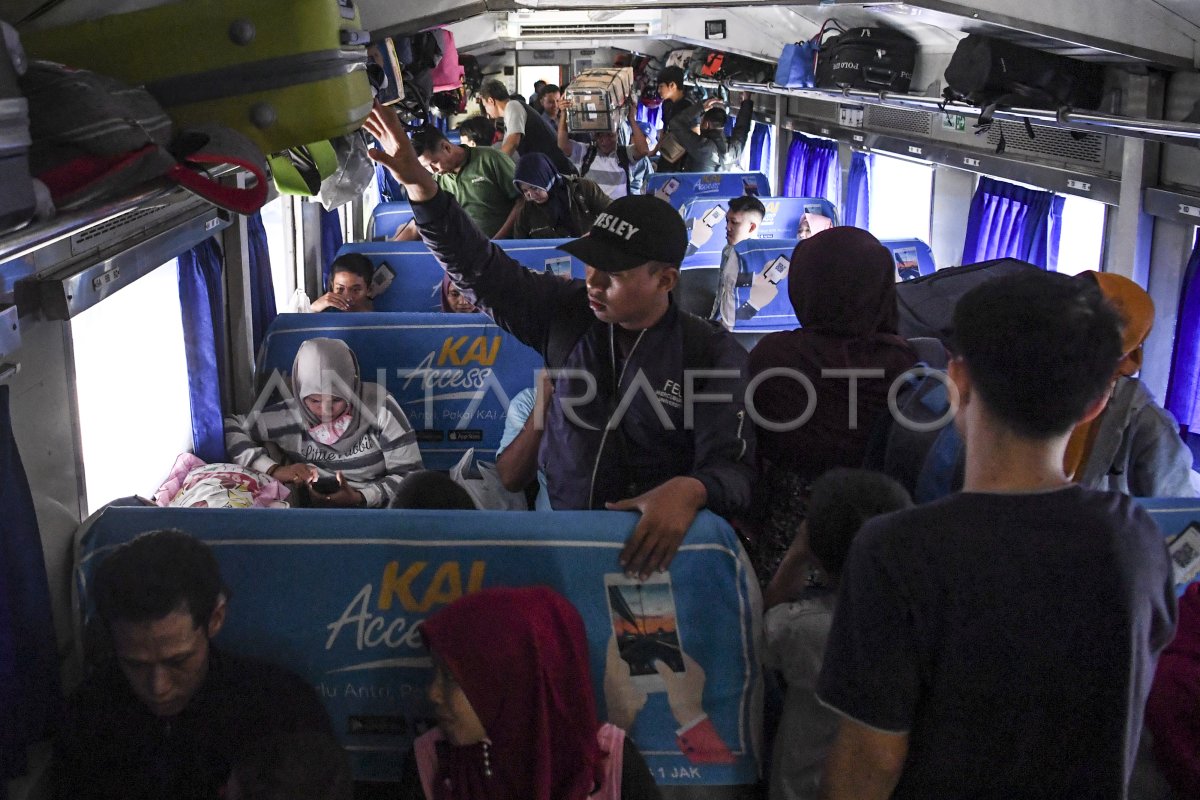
(493, 90)
(671, 75)
(155, 574)
(840, 501)
(747, 202)
(538, 84)
(427, 488)
(1039, 347)
(426, 139)
(301, 765)
(549, 88)
(355, 263)
(715, 117)
(479, 129)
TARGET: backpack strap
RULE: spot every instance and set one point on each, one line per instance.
(588, 158)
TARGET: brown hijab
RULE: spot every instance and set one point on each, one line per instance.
(842, 284)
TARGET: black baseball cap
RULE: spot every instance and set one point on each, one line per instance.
(671, 75)
(633, 230)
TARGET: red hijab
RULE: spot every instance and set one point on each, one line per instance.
(520, 656)
(842, 284)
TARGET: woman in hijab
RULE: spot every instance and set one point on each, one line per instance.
(516, 716)
(347, 442)
(842, 284)
(556, 206)
(1134, 445)
(811, 224)
(452, 298)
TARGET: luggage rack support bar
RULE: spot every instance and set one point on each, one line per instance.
(1089, 122)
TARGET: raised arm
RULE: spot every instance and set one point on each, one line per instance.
(638, 145)
(519, 300)
(564, 139)
(741, 128)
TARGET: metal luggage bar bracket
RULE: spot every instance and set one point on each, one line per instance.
(1085, 121)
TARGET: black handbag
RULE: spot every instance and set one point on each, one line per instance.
(879, 59)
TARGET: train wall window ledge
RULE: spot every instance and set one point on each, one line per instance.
(131, 388)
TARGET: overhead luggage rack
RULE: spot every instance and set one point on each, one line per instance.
(1084, 121)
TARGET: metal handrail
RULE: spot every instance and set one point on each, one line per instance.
(1158, 130)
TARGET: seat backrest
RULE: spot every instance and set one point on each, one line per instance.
(452, 374)
(677, 188)
(912, 256)
(419, 275)
(1175, 515)
(704, 217)
(387, 218)
(775, 312)
(359, 582)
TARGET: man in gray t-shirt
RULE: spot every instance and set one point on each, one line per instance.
(524, 130)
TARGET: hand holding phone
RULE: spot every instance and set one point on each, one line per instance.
(325, 485)
(645, 626)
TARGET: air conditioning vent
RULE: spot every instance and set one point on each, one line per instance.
(1091, 148)
(118, 229)
(898, 119)
(583, 31)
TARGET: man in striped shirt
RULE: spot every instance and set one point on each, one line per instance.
(611, 168)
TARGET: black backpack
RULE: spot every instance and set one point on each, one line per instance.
(879, 59)
(926, 304)
(991, 73)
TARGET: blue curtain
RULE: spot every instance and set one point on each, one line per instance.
(811, 168)
(262, 286)
(29, 686)
(201, 300)
(1183, 388)
(331, 241)
(760, 146)
(858, 197)
(1010, 221)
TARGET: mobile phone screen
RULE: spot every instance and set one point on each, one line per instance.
(714, 216)
(643, 619)
(777, 270)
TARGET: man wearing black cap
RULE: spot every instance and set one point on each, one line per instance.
(640, 419)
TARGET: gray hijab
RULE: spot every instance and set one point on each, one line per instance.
(327, 366)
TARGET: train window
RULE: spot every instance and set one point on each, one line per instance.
(528, 76)
(131, 388)
(1081, 241)
(278, 223)
(901, 198)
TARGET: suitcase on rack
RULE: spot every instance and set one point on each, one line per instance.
(17, 200)
(878, 59)
(282, 72)
(598, 97)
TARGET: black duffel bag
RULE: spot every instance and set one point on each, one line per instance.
(879, 59)
(926, 304)
(990, 73)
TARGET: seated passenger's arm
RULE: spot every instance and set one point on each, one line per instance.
(594, 196)
(401, 455)
(1160, 463)
(519, 300)
(509, 230)
(244, 443)
(516, 463)
(863, 763)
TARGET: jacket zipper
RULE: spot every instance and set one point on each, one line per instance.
(612, 349)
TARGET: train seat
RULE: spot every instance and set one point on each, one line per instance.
(677, 188)
(705, 221)
(418, 273)
(453, 374)
(358, 582)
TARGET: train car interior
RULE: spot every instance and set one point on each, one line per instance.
(160, 245)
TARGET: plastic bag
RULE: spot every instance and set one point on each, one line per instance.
(355, 172)
(482, 482)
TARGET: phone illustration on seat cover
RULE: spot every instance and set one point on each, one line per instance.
(646, 627)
